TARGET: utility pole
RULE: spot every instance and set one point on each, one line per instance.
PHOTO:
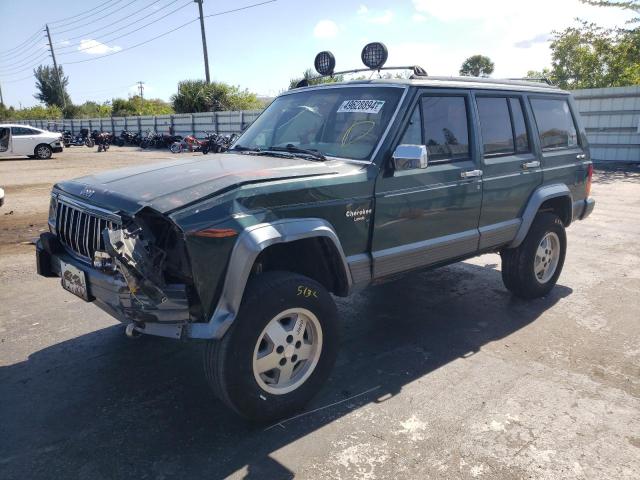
(141, 89)
(55, 67)
(1, 99)
(204, 42)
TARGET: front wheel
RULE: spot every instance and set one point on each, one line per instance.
(280, 350)
(176, 148)
(532, 269)
(89, 142)
(43, 152)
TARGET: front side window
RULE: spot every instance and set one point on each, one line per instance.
(17, 131)
(445, 127)
(413, 133)
(343, 122)
(555, 123)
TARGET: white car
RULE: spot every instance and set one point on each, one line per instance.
(30, 141)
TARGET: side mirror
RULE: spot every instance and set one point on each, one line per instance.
(409, 157)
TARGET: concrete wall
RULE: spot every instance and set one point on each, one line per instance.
(184, 124)
(611, 117)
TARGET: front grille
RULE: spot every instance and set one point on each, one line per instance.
(80, 230)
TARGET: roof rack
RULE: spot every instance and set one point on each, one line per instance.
(534, 79)
(417, 70)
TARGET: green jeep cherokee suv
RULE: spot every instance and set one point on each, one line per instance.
(333, 188)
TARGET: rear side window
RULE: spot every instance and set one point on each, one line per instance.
(445, 127)
(502, 124)
(495, 125)
(555, 123)
(519, 126)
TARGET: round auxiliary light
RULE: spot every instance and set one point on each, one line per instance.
(325, 62)
(374, 55)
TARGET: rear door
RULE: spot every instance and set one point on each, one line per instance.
(429, 215)
(564, 158)
(511, 168)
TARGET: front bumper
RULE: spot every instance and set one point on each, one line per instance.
(110, 292)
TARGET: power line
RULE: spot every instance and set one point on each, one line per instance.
(78, 14)
(24, 45)
(4, 52)
(119, 20)
(17, 79)
(239, 9)
(89, 14)
(46, 55)
(134, 46)
(23, 62)
(103, 40)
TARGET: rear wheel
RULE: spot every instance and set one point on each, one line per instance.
(43, 152)
(532, 269)
(279, 351)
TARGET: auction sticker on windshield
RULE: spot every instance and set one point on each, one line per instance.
(361, 106)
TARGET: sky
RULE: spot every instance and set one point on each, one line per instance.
(263, 47)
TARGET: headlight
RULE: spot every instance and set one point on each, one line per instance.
(53, 211)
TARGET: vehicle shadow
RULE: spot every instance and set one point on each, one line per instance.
(102, 406)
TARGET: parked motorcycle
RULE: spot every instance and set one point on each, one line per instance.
(128, 138)
(102, 139)
(218, 143)
(83, 138)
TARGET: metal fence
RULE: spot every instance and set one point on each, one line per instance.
(611, 117)
(183, 124)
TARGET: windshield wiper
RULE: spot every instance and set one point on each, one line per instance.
(241, 148)
(305, 151)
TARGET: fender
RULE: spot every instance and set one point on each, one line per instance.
(538, 197)
(250, 243)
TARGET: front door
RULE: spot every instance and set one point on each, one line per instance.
(511, 168)
(427, 216)
(5, 141)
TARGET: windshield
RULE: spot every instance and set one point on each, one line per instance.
(340, 122)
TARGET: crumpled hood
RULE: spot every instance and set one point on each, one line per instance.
(167, 186)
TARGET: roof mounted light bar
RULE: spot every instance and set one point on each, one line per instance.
(374, 55)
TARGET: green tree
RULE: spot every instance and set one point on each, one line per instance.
(37, 112)
(90, 109)
(477, 66)
(49, 90)
(309, 75)
(589, 56)
(199, 96)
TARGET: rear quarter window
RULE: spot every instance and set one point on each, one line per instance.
(556, 127)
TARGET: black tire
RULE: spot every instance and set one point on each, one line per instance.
(228, 362)
(89, 142)
(518, 264)
(120, 142)
(43, 151)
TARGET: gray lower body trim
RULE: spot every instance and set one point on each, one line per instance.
(498, 233)
(420, 254)
(360, 266)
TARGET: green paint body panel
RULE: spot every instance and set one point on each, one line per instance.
(405, 208)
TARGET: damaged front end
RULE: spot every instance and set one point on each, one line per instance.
(136, 267)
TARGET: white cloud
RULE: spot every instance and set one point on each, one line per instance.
(362, 9)
(540, 38)
(501, 29)
(325, 29)
(383, 19)
(418, 17)
(64, 43)
(94, 47)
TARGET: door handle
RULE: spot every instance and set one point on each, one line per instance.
(581, 156)
(471, 174)
(528, 165)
